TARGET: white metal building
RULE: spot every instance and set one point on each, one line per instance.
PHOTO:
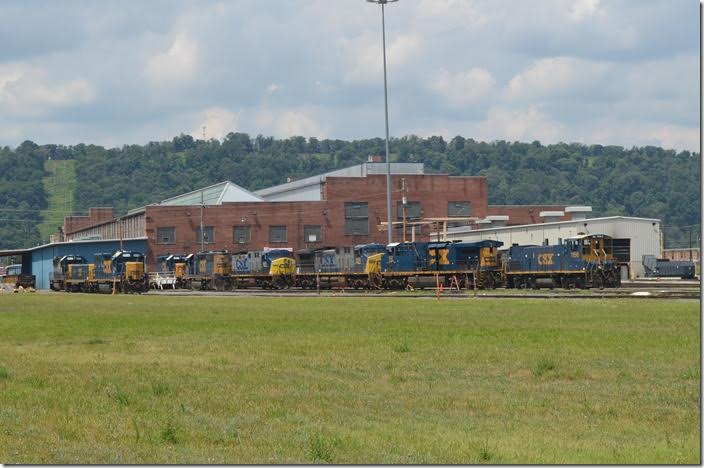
(310, 188)
(633, 237)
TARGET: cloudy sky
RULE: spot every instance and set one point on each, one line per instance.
(622, 72)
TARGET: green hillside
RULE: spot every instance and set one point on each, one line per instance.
(645, 182)
(59, 184)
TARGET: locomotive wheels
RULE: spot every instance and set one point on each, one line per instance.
(375, 281)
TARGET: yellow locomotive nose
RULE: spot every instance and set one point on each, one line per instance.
(180, 270)
(283, 266)
(134, 270)
(373, 264)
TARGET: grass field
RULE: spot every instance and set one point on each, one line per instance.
(139, 379)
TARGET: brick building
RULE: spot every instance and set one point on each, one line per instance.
(344, 207)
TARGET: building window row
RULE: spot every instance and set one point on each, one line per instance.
(356, 224)
(240, 234)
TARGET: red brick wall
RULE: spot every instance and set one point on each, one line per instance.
(525, 214)
(432, 191)
(95, 216)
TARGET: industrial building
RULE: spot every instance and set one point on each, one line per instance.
(340, 208)
(632, 237)
(343, 207)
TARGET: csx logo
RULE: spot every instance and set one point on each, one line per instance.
(545, 259)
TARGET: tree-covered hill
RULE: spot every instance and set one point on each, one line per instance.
(647, 182)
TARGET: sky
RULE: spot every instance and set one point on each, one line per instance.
(610, 72)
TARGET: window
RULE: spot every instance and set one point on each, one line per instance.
(166, 235)
(277, 233)
(208, 235)
(458, 209)
(312, 234)
(241, 234)
(356, 219)
(412, 210)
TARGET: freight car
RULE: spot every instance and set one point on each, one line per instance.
(664, 268)
(14, 277)
(581, 262)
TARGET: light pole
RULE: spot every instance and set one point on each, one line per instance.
(386, 115)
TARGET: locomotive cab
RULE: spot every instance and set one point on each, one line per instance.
(591, 248)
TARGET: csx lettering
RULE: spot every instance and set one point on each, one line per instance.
(545, 259)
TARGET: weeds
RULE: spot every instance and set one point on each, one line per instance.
(95, 341)
(169, 433)
(693, 373)
(119, 396)
(4, 373)
(320, 447)
(544, 366)
(161, 388)
(485, 455)
(402, 347)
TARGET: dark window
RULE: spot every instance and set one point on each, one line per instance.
(356, 219)
(277, 233)
(166, 235)
(412, 210)
(208, 234)
(458, 208)
(241, 234)
(312, 234)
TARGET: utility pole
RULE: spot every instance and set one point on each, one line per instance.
(386, 116)
(202, 235)
(403, 205)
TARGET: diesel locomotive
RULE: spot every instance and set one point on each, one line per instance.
(120, 271)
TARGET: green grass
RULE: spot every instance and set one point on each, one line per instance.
(59, 186)
(139, 379)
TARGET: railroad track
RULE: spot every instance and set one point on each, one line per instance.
(621, 293)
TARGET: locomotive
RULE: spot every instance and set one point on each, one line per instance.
(336, 266)
(209, 270)
(584, 261)
(268, 268)
(427, 264)
(121, 271)
(172, 269)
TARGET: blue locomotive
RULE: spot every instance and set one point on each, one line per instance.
(426, 264)
(584, 261)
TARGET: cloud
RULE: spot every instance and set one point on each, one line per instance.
(556, 76)
(612, 131)
(582, 9)
(128, 73)
(463, 87)
(217, 121)
(32, 91)
(448, 14)
(176, 66)
(519, 125)
(365, 60)
(284, 123)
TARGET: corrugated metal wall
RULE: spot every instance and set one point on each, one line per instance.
(42, 257)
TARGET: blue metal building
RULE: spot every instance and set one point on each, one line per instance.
(39, 261)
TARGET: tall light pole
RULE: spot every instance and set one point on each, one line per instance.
(386, 115)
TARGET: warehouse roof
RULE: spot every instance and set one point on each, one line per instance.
(214, 195)
(308, 189)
